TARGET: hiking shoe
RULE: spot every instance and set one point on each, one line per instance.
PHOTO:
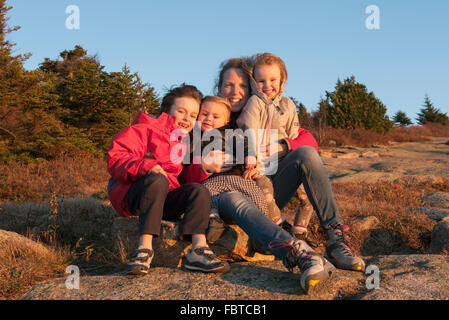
(311, 264)
(140, 262)
(203, 259)
(215, 229)
(328, 266)
(339, 252)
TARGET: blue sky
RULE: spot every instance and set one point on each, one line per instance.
(169, 42)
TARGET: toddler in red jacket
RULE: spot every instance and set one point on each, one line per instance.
(144, 161)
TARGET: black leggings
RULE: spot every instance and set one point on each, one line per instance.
(150, 199)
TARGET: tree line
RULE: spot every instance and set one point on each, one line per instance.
(72, 105)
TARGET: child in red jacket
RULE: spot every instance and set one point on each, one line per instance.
(144, 161)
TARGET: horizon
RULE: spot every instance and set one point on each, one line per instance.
(400, 54)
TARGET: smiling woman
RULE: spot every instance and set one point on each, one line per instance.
(299, 164)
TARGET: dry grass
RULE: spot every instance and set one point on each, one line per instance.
(25, 263)
(65, 176)
(401, 230)
(366, 138)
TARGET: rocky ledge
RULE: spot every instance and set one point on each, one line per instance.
(400, 277)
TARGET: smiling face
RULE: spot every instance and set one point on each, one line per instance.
(185, 111)
(268, 79)
(213, 115)
(235, 88)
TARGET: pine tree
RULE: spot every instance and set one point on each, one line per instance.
(401, 119)
(98, 103)
(429, 113)
(350, 105)
(305, 119)
(28, 127)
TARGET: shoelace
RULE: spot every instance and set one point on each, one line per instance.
(295, 256)
(342, 237)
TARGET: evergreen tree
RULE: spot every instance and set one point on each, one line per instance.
(28, 128)
(401, 119)
(429, 113)
(351, 106)
(100, 104)
(66, 105)
(305, 118)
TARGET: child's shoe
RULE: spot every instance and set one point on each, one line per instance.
(203, 259)
(140, 262)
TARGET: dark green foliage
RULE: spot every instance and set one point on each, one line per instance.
(431, 114)
(66, 105)
(305, 119)
(351, 106)
(401, 119)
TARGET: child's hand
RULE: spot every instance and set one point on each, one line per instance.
(250, 162)
(251, 174)
(215, 162)
(158, 169)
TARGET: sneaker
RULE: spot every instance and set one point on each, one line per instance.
(311, 264)
(215, 229)
(203, 259)
(140, 262)
(339, 252)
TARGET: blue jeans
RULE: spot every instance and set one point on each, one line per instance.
(236, 207)
(302, 165)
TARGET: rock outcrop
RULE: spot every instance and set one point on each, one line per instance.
(400, 277)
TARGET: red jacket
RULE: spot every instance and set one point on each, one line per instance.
(137, 149)
(193, 173)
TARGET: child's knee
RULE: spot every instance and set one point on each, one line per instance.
(155, 183)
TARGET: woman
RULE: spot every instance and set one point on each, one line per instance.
(302, 164)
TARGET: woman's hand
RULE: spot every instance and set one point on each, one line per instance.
(158, 169)
(214, 162)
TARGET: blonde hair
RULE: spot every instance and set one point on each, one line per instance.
(221, 100)
(266, 58)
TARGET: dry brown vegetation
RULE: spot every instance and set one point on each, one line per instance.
(67, 176)
(81, 177)
(23, 264)
(366, 138)
(401, 230)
